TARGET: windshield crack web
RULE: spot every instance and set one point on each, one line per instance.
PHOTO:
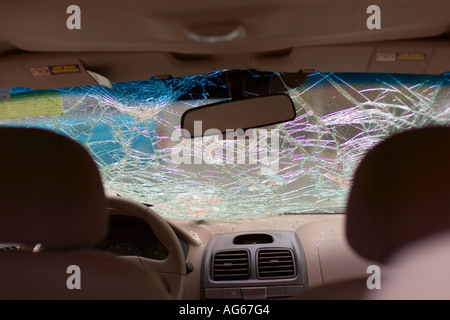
(129, 131)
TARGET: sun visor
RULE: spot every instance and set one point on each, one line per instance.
(46, 71)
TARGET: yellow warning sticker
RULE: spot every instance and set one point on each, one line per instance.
(55, 70)
(411, 57)
(31, 104)
(66, 68)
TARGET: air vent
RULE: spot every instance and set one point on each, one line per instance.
(9, 247)
(231, 265)
(275, 264)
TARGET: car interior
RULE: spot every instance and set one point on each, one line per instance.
(116, 125)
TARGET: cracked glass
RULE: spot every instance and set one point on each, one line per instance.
(302, 166)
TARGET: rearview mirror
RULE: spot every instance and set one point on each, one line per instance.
(232, 115)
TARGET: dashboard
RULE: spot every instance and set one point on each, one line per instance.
(284, 266)
(314, 245)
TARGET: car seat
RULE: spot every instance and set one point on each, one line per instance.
(399, 195)
(51, 195)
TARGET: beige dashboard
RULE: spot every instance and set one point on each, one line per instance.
(329, 257)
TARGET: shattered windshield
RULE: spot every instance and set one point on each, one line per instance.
(306, 165)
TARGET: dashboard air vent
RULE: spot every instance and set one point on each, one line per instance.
(9, 247)
(231, 265)
(275, 264)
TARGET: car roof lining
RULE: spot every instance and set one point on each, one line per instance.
(323, 35)
(159, 26)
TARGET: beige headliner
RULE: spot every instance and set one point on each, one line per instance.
(135, 40)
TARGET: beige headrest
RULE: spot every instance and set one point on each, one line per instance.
(50, 190)
(401, 192)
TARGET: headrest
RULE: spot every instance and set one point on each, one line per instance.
(50, 190)
(400, 192)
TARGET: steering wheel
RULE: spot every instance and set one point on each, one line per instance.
(172, 270)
